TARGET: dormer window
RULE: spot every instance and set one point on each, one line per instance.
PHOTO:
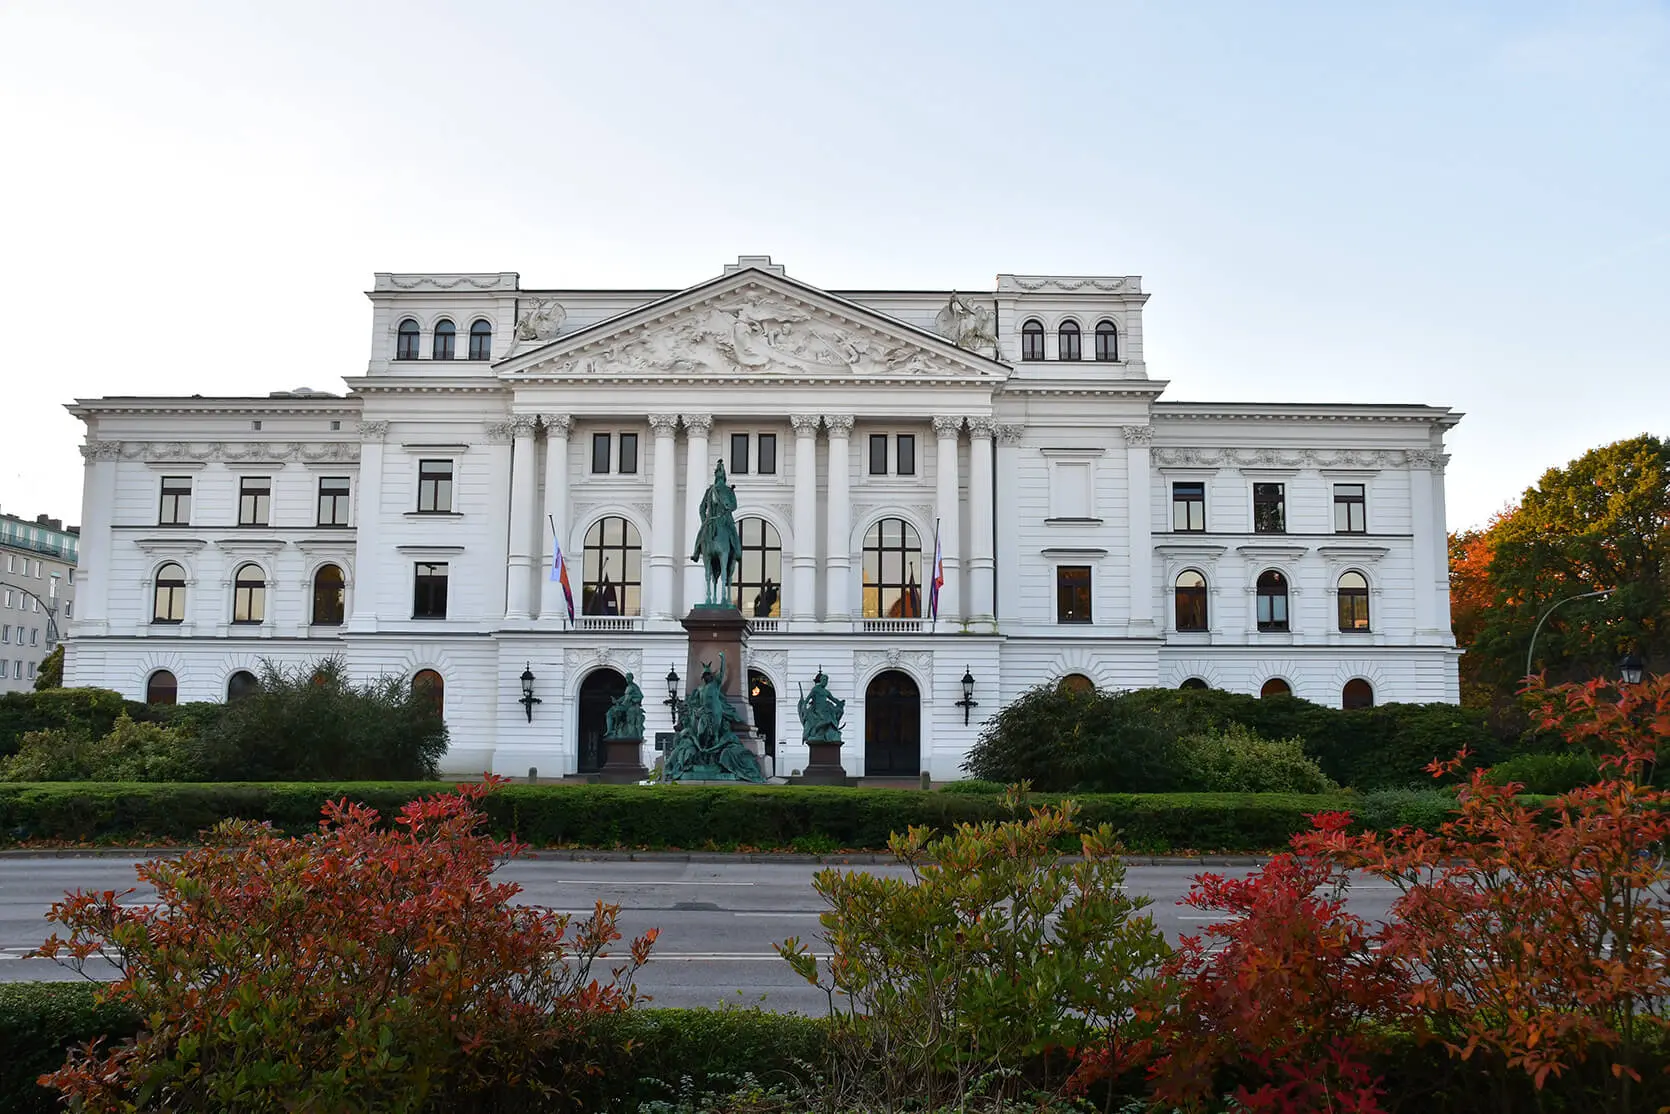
(1107, 341)
(1032, 340)
(446, 341)
(406, 347)
(1069, 343)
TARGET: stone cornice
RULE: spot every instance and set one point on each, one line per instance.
(1289, 458)
(1439, 416)
(212, 407)
(231, 452)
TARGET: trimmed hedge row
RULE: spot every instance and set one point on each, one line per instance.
(604, 816)
(643, 1054)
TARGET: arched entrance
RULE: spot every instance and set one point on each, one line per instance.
(600, 689)
(892, 726)
(762, 698)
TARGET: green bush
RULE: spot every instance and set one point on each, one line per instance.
(1385, 809)
(1548, 774)
(974, 785)
(313, 722)
(86, 713)
(39, 1022)
(132, 751)
(1062, 740)
(1233, 759)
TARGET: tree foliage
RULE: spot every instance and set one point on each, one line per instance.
(50, 675)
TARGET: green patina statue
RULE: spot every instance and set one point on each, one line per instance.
(820, 713)
(718, 544)
(706, 746)
(625, 717)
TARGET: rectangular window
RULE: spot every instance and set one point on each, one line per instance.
(766, 459)
(878, 454)
(600, 444)
(255, 496)
(434, 487)
(907, 454)
(429, 591)
(629, 454)
(17, 670)
(6, 633)
(69, 609)
(1269, 509)
(1188, 507)
(739, 454)
(31, 669)
(333, 500)
(34, 636)
(1072, 593)
(176, 501)
(1350, 509)
(52, 589)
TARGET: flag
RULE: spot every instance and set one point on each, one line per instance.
(910, 607)
(559, 574)
(938, 581)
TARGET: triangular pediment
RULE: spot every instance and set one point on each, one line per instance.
(752, 324)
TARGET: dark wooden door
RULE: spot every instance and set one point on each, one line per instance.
(762, 698)
(892, 726)
(597, 692)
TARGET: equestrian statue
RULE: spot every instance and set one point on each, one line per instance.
(718, 544)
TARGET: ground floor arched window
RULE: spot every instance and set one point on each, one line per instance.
(1357, 693)
(161, 687)
(428, 684)
(241, 684)
(1275, 686)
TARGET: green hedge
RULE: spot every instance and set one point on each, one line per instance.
(778, 818)
(39, 1022)
(90, 713)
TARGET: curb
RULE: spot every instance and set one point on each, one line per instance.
(582, 855)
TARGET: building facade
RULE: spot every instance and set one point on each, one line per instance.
(37, 594)
(1087, 532)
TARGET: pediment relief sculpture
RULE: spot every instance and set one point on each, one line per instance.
(967, 325)
(750, 334)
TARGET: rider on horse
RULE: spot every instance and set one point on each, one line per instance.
(718, 544)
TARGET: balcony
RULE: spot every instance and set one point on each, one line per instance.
(893, 626)
(765, 626)
(608, 622)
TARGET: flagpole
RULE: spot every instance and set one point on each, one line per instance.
(556, 570)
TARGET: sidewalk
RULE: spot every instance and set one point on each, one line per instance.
(853, 858)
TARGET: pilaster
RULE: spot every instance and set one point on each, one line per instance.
(838, 563)
(523, 506)
(557, 426)
(663, 521)
(948, 505)
(1139, 502)
(803, 604)
(982, 561)
(368, 527)
(696, 468)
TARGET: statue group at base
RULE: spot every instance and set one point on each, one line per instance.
(625, 717)
(820, 713)
(706, 746)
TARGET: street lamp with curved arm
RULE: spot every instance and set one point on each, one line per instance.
(1538, 628)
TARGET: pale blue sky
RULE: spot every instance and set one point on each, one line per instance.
(1459, 204)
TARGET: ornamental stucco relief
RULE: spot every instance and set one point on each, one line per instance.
(1285, 458)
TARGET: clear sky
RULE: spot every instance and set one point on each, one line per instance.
(1458, 204)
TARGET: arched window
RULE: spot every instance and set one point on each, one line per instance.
(1032, 340)
(1353, 601)
(1272, 600)
(892, 571)
(161, 688)
(329, 595)
(481, 341)
(759, 587)
(1191, 600)
(249, 594)
(1357, 693)
(1069, 343)
(1107, 341)
(406, 346)
(427, 684)
(612, 569)
(1077, 684)
(241, 684)
(1193, 684)
(168, 601)
(445, 344)
(1275, 686)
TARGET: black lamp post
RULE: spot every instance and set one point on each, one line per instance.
(528, 698)
(968, 701)
(672, 701)
(1632, 669)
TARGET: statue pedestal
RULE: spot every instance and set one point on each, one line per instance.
(623, 762)
(823, 767)
(723, 630)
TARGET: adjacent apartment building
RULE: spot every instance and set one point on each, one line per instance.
(37, 590)
(944, 499)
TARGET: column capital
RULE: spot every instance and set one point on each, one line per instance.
(1010, 434)
(373, 431)
(102, 450)
(1422, 458)
(697, 424)
(499, 432)
(948, 425)
(522, 425)
(1137, 434)
(983, 425)
(805, 425)
(556, 424)
(663, 425)
(838, 425)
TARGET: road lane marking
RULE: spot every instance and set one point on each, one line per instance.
(755, 914)
(726, 957)
(620, 882)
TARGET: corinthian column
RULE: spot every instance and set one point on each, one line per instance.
(803, 606)
(663, 526)
(982, 563)
(947, 428)
(551, 602)
(1139, 503)
(523, 507)
(838, 562)
(697, 469)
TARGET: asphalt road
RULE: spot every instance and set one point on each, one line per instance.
(718, 920)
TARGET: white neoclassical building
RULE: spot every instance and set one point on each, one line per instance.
(1087, 531)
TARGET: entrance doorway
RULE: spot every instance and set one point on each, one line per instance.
(762, 698)
(599, 690)
(892, 726)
